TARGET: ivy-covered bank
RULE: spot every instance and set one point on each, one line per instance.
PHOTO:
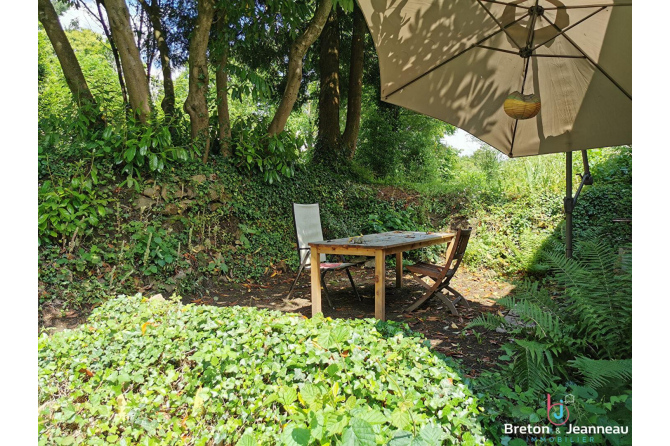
(155, 372)
(195, 226)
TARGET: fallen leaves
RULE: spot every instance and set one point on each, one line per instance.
(147, 324)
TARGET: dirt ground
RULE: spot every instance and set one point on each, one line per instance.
(476, 349)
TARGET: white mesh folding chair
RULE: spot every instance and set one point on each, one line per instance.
(307, 220)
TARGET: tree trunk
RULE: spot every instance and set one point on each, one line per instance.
(160, 35)
(294, 74)
(133, 69)
(350, 136)
(328, 139)
(198, 79)
(115, 53)
(69, 64)
(222, 101)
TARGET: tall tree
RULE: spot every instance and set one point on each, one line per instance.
(355, 91)
(198, 78)
(221, 63)
(68, 61)
(133, 68)
(329, 94)
(153, 10)
(333, 147)
(295, 63)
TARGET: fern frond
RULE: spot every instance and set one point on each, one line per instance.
(531, 368)
(543, 323)
(599, 372)
(489, 321)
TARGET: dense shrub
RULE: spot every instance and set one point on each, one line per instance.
(156, 372)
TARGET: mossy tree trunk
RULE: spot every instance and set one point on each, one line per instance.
(133, 68)
(355, 91)
(74, 77)
(153, 10)
(198, 78)
(294, 74)
(221, 62)
(328, 139)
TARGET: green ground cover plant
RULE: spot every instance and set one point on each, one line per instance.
(156, 372)
(572, 335)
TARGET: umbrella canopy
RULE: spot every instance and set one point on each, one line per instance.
(460, 60)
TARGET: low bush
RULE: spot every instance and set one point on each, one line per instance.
(157, 372)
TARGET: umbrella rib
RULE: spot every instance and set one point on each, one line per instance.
(605, 5)
(507, 4)
(474, 45)
(516, 53)
(568, 28)
(498, 23)
(605, 73)
(562, 56)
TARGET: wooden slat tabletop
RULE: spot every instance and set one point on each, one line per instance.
(385, 240)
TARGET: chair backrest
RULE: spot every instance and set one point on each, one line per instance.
(456, 251)
(307, 221)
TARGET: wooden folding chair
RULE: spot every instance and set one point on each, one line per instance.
(442, 275)
(307, 221)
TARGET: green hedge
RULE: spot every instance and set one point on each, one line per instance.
(157, 372)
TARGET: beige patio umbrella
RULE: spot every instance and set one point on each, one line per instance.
(461, 60)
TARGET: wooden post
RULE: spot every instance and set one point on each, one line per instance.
(316, 280)
(380, 288)
(398, 270)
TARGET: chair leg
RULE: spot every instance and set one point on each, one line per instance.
(325, 288)
(448, 303)
(351, 280)
(427, 295)
(459, 296)
(300, 269)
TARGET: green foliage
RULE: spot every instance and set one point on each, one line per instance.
(593, 318)
(399, 143)
(162, 373)
(142, 148)
(600, 372)
(273, 156)
(71, 205)
(95, 58)
(153, 248)
(581, 336)
(391, 220)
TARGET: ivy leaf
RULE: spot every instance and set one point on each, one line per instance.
(330, 338)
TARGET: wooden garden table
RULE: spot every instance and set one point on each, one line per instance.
(377, 246)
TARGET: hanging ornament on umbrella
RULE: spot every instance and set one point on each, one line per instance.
(522, 106)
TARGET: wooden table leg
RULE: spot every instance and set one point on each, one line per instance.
(380, 286)
(316, 281)
(398, 270)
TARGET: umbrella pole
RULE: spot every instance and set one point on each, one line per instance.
(570, 202)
